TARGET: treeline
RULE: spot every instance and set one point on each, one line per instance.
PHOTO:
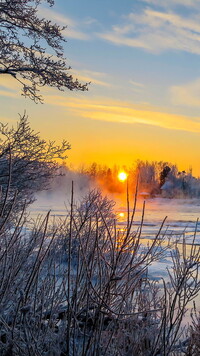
(154, 178)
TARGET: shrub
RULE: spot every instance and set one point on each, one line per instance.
(81, 287)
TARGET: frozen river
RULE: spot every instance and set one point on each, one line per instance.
(182, 214)
(182, 220)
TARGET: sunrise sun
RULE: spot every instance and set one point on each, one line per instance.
(122, 176)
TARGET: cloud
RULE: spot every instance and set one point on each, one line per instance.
(104, 109)
(173, 3)
(187, 94)
(140, 85)
(90, 21)
(9, 94)
(137, 87)
(157, 31)
(78, 35)
(9, 87)
(72, 30)
(97, 78)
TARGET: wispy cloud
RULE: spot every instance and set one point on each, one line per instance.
(9, 87)
(157, 31)
(125, 112)
(136, 84)
(90, 21)
(97, 78)
(73, 29)
(137, 87)
(173, 3)
(187, 94)
(8, 94)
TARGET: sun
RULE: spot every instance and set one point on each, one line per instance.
(121, 215)
(122, 176)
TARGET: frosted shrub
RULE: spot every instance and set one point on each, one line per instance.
(81, 287)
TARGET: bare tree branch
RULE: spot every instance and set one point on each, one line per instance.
(33, 159)
(25, 39)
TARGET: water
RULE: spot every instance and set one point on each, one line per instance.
(182, 214)
(182, 217)
(182, 220)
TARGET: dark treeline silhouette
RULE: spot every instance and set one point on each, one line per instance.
(154, 178)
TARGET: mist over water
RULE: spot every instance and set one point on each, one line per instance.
(182, 214)
(58, 196)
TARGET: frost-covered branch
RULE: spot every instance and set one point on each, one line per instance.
(25, 41)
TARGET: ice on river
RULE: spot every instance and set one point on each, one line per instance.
(182, 220)
(182, 214)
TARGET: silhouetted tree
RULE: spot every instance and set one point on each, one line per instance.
(27, 163)
(24, 41)
(163, 175)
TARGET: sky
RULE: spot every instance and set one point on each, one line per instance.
(142, 59)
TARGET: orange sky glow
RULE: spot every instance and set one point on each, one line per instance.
(143, 101)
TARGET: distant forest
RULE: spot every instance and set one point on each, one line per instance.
(154, 178)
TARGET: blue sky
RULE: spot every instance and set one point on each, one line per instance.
(147, 49)
(142, 58)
